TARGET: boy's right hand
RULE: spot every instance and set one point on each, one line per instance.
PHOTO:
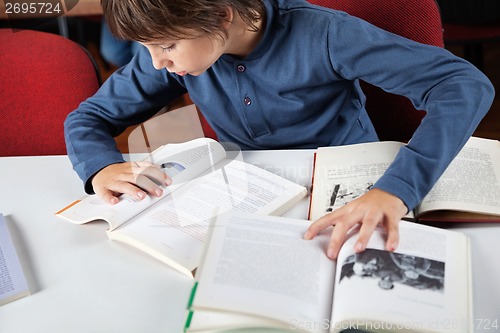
(135, 179)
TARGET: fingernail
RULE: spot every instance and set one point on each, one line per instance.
(159, 192)
(168, 181)
(359, 247)
(141, 195)
(113, 200)
(330, 253)
(307, 235)
(392, 247)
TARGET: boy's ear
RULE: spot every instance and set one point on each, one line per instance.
(227, 16)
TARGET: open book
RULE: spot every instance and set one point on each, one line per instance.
(468, 190)
(13, 283)
(207, 181)
(258, 272)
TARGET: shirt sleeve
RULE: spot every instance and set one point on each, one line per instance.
(128, 97)
(454, 93)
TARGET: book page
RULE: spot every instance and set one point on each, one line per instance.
(425, 284)
(13, 284)
(344, 173)
(176, 226)
(261, 266)
(471, 182)
(181, 162)
(184, 161)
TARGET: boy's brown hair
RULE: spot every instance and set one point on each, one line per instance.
(147, 20)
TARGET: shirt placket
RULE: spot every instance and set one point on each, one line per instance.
(251, 111)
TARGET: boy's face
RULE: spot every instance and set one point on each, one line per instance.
(185, 56)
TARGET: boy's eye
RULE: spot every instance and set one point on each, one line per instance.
(167, 48)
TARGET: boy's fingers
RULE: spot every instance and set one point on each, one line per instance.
(392, 236)
(327, 220)
(149, 178)
(149, 185)
(152, 171)
(320, 224)
(127, 189)
(108, 196)
(342, 222)
(337, 238)
(368, 225)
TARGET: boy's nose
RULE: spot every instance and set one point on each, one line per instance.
(160, 63)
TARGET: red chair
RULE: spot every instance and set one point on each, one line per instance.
(208, 131)
(43, 77)
(394, 117)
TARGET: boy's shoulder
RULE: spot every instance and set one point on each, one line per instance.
(302, 5)
(304, 10)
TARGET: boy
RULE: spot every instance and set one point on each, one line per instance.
(277, 74)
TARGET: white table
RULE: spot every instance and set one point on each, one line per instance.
(83, 282)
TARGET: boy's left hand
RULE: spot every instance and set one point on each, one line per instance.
(369, 210)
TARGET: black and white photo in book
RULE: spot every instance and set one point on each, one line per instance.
(341, 194)
(391, 269)
(417, 284)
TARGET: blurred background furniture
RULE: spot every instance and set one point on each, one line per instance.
(43, 77)
(470, 24)
(70, 8)
(394, 117)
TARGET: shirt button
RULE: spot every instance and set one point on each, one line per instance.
(247, 101)
(241, 68)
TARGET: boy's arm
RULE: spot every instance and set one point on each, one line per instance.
(130, 96)
(455, 94)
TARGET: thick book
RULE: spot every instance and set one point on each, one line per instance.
(258, 274)
(13, 284)
(468, 190)
(207, 181)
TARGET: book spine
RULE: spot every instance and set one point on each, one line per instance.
(190, 303)
(67, 207)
